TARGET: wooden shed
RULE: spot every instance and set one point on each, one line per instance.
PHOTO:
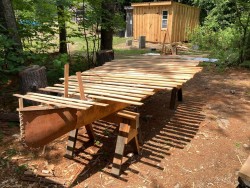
(155, 19)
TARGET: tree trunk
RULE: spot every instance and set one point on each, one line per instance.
(106, 26)
(32, 78)
(8, 20)
(62, 29)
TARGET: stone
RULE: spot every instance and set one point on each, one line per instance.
(129, 42)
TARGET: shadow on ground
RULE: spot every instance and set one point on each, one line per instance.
(162, 129)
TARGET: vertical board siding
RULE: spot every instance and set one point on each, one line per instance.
(181, 18)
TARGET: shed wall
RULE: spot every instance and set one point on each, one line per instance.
(147, 22)
(185, 19)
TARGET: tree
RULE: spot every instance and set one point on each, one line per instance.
(62, 28)
(8, 23)
(106, 25)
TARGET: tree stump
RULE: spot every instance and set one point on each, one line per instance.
(104, 56)
(32, 78)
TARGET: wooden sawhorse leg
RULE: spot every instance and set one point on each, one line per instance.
(175, 92)
(73, 137)
(127, 132)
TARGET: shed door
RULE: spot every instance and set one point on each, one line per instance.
(152, 24)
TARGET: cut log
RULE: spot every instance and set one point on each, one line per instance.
(104, 56)
(31, 79)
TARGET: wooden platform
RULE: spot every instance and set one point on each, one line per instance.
(126, 81)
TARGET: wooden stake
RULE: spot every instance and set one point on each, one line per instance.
(66, 80)
(20, 102)
(80, 83)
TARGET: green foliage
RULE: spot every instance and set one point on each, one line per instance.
(225, 31)
(20, 169)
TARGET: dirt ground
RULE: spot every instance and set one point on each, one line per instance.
(203, 143)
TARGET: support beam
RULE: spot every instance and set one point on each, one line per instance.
(71, 143)
(179, 95)
(173, 98)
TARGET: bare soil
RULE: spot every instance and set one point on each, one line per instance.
(203, 143)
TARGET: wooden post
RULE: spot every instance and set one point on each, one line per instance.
(66, 80)
(88, 127)
(80, 84)
(119, 150)
(163, 51)
(179, 94)
(71, 143)
(20, 103)
(173, 98)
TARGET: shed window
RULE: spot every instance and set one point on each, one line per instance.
(164, 23)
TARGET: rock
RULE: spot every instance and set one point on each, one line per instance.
(245, 145)
(232, 91)
(130, 155)
(177, 185)
(28, 173)
(45, 171)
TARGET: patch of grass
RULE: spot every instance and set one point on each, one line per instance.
(129, 52)
(245, 64)
(238, 145)
(20, 169)
(119, 40)
(97, 142)
(11, 152)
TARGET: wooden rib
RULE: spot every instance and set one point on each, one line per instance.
(139, 74)
(115, 99)
(159, 72)
(121, 76)
(65, 99)
(165, 70)
(80, 86)
(58, 90)
(132, 81)
(66, 79)
(106, 94)
(37, 108)
(60, 101)
(112, 83)
(151, 65)
(73, 86)
(47, 102)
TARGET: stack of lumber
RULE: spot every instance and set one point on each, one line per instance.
(125, 81)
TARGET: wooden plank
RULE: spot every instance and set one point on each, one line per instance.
(20, 103)
(244, 172)
(73, 86)
(117, 81)
(160, 72)
(63, 99)
(59, 101)
(137, 77)
(66, 79)
(48, 102)
(101, 93)
(131, 90)
(115, 99)
(119, 149)
(80, 86)
(141, 74)
(71, 144)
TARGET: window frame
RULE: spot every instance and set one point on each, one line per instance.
(162, 19)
